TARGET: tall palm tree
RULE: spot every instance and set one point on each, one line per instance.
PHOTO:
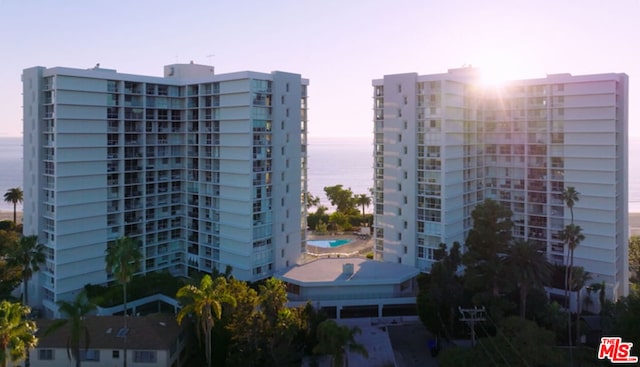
(28, 256)
(336, 340)
(570, 197)
(14, 196)
(76, 312)
(363, 200)
(529, 268)
(16, 332)
(123, 259)
(205, 302)
(571, 236)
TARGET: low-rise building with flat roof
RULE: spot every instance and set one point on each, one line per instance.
(353, 287)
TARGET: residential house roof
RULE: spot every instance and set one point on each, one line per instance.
(152, 332)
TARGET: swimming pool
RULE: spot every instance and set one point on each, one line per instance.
(328, 243)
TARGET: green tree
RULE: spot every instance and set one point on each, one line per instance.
(123, 260)
(364, 201)
(486, 243)
(14, 196)
(312, 200)
(339, 221)
(317, 217)
(627, 319)
(335, 340)
(10, 274)
(205, 301)
(634, 259)
(528, 267)
(518, 342)
(16, 332)
(341, 198)
(264, 331)
(28, 255)
(75, 312)
(441, 292)
(554, 317)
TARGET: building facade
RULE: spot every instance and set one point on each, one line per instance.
(444, 143)
(205, 171)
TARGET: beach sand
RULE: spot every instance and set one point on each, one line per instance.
(634, 223)
(8, 215)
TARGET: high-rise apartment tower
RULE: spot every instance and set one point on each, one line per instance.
(444, 143)
(205, 171)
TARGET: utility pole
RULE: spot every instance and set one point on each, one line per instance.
(471, 316)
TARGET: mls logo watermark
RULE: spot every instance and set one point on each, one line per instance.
(616, 350)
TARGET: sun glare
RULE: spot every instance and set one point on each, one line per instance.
(498, 71)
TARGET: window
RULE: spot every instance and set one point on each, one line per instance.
(89, 355)
(115, 354)
(45, 354)
(405, 249)
(144, 356)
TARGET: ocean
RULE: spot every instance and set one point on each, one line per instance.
(10, 168)
(346, 161)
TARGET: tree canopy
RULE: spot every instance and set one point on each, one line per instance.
(341, 198)
(16, 332)
(486, 243)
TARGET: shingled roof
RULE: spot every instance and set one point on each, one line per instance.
(152, 332)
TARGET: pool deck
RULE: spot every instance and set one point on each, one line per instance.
(358, 247)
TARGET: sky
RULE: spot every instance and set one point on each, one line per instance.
(339, 45)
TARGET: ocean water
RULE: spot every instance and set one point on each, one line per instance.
(10, 168)
(346, 161)
(331, 161)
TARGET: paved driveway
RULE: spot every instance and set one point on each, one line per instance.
(410, 345)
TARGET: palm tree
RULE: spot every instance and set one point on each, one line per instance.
(336, 340)
(571, 236)
(16, 332)
(570, 197)
(123, 259)
(14, 196)
(76, 313)
(529, 268)
(363, 200)
(205, 302)
(312, 200)
(28, 256)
